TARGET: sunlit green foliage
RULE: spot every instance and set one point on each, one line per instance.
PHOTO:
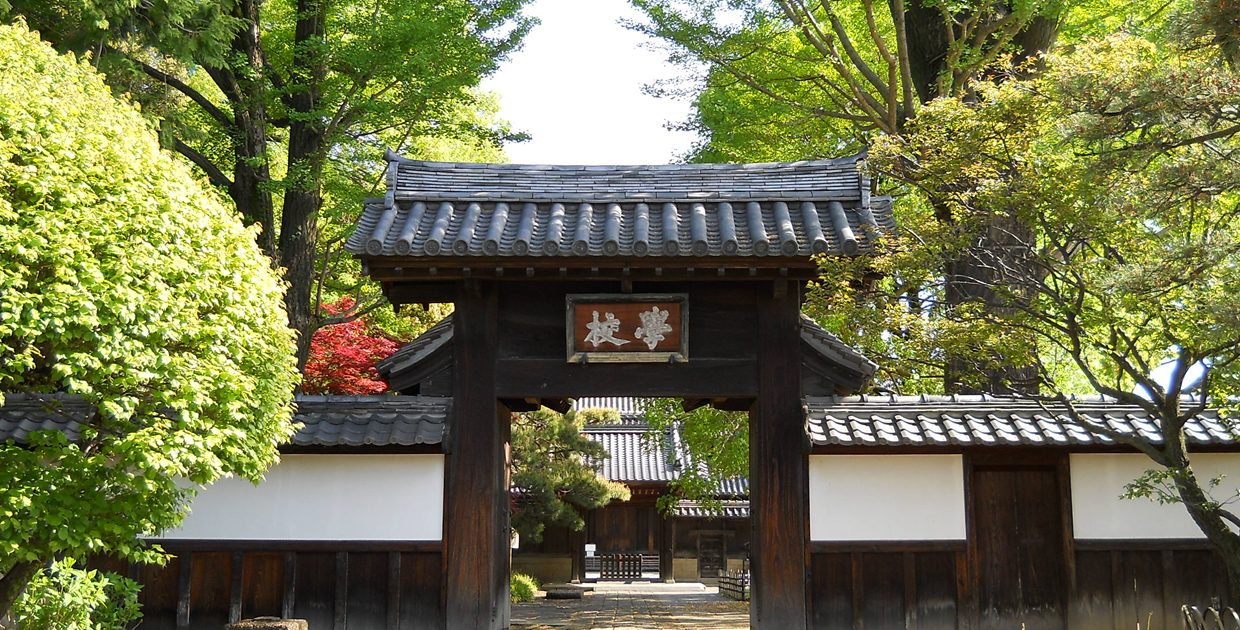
(127, 282)
(521, 587)
(67, 598)
(287, 105)
(597, 416)
(716, 444)
(1121, 157)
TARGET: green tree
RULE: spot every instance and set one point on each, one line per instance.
(790, 80)
(715, 442)
(125, 283)
(555, 473)
(235, 84)
(1123, 157)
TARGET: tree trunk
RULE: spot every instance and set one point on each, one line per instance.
(14, 582)
(979, 275)
(1225, 541)
(927, 46)
(971, 276)
(251, 174)
(302, 197)
(241, 83)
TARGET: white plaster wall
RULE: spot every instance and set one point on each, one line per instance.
(325, 497)
(1098, 480)
(886, 497)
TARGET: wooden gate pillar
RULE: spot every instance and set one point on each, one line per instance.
(777, 472)
(476, 528)
(667, 549)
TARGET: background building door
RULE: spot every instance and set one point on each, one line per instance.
(712, 556)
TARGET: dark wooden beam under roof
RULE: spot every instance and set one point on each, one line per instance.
(829, 367)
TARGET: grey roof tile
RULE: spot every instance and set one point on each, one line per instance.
(450, 209)
(23, 414)
(326, 420)
(990, 421)
(411, 353)
(728, 509)
(371, 420)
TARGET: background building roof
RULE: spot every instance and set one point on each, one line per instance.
(629, 407)
(635, 458)
(729, 509)
(986, 421)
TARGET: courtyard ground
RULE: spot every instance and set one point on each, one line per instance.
(637, 606)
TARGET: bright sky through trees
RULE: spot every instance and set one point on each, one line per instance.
(576, 87)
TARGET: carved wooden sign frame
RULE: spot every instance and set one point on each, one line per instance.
(627, 328)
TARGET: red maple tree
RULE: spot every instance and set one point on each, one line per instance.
(342, 356)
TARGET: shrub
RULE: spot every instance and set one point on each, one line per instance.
(66, 598)
(126, 283)
(522, 587)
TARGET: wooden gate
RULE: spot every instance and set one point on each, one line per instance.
(1020, 547)
(620, 566)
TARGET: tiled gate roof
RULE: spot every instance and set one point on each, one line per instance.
(793, 209)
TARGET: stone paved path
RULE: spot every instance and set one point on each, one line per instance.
(636, 607)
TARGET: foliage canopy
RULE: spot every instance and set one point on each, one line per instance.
(287, 105)
(127, 283)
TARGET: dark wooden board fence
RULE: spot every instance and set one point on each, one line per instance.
(876, 590)
(359, 590)
(907, 589)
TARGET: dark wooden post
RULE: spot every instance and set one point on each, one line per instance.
(667, 549)
(778, 450)
(577, 549)
(476, 539)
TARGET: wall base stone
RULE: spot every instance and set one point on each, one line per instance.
(269, 623)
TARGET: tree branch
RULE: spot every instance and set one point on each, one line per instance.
(194, 95)
(213, 172)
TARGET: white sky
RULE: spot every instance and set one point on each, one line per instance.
(576, 88)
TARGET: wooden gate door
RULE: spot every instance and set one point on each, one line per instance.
(1019, 555)
(712, 555)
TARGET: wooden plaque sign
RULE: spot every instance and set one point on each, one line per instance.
(628, 328)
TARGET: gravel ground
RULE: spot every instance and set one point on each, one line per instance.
(633, 607)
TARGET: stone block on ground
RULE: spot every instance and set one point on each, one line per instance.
(564, 592)
(269, 623)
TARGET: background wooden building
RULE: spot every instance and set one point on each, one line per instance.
(700, 543)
